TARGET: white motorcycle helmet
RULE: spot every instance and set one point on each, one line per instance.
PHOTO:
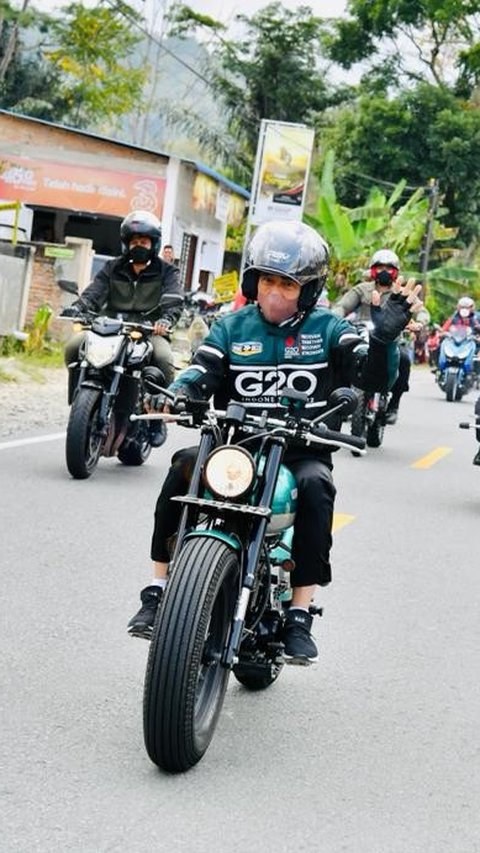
(465, 306)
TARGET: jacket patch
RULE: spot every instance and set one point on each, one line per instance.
(305, 345)
(247, 348)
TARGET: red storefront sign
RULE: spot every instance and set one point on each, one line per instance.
(80, 188)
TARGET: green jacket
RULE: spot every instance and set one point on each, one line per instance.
(247, 359)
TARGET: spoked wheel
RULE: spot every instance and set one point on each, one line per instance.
(84, 438)
(185, 681)
(358, 423)
(451, 385)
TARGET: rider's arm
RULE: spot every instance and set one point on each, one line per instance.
(208, 369)
(373, 366)
(349, 302)
(446, 325)
(94, 297)
(172, 297)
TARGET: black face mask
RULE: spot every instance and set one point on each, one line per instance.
(384, 277)
(139, 254)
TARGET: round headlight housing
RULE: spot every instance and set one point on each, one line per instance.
(229, 472)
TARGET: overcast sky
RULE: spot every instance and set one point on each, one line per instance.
(222, 10)
(225, 10)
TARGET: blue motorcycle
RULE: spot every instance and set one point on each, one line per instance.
(455, 374)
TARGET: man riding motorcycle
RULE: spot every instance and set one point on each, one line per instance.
(250, 355)
(464, 315)
(383, 272)
(140, 286)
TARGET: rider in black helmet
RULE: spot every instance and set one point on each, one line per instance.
(279, 339)
(139, 286)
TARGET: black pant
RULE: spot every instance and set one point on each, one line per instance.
(312, 537)
(401, 383)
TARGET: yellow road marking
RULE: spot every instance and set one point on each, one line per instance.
(340, 519)
(431, 458)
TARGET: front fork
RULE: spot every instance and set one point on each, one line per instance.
(254, 551)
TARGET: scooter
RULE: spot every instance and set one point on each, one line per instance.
(455, 375)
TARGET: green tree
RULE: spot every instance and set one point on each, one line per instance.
(436, 40)
(91, 50)
(355, 233)
(272, 72)
(422, 133)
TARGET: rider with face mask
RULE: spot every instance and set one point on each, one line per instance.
(464, 315)
(280, 339)
(383, 272)
(139, 286)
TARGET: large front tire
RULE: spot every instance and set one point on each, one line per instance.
(185, 682)
(84, 440)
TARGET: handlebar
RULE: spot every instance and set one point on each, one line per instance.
(87, 321)
(258, 424)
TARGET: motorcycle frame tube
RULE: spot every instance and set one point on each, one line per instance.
(207, 441)
(254, 550)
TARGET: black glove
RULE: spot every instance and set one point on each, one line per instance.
(156, 402)
(73, 311)
(390, 320)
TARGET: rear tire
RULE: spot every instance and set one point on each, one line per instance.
(185, 682)
(84, 441)
(358, 422)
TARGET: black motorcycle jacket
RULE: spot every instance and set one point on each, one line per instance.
(154, 294)
(248, 359)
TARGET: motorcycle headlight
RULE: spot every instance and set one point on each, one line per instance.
(100, 351)
(229, 472)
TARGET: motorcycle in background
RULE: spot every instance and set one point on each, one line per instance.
(455, 374)
(369, 418)
(224, 605)
(105, 386)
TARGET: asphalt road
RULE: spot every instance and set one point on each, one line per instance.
(374, 750)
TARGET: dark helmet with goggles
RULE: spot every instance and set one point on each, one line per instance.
(143, 223)
(384, 267)
(292, 250)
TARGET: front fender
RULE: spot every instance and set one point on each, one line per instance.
(228, 538)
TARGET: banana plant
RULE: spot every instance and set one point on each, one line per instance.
(354, 234)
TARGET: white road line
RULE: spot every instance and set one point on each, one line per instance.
(21, 442)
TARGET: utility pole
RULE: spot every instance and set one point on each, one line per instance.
(433, 193)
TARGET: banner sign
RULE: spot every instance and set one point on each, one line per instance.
(225, 286)
(80, 188)
(211, 197)
(282, 167)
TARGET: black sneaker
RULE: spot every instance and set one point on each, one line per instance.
(141, 625)
(298, 642)
(391, 416)
(157, 433)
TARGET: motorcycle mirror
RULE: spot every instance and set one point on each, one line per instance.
(68, 286)
(344, 400)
